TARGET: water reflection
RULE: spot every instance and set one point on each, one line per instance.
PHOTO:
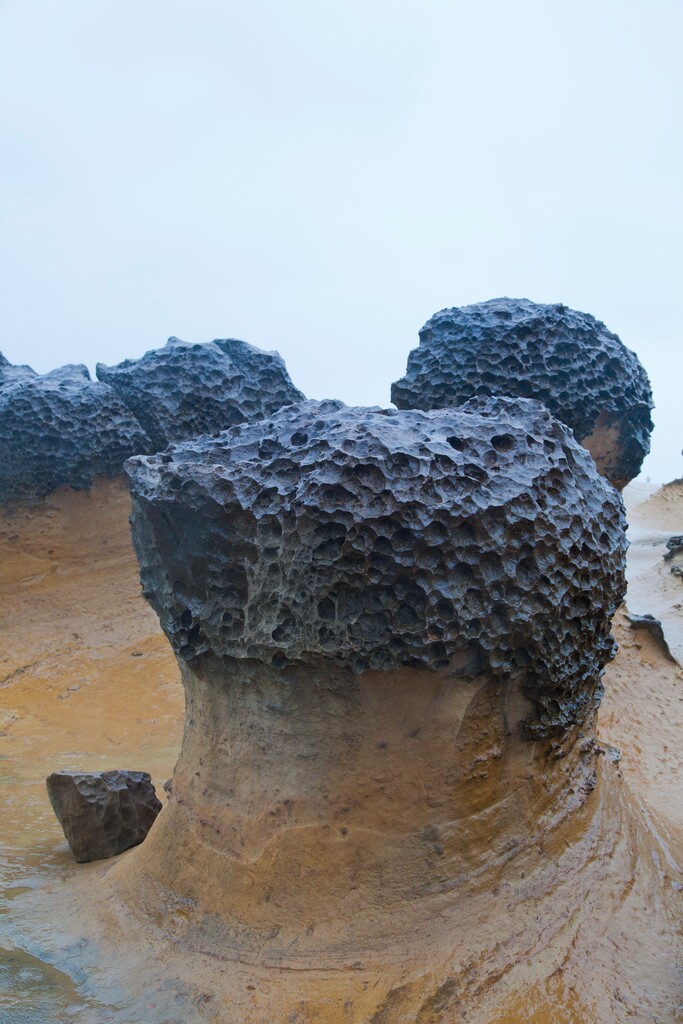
(33, 992)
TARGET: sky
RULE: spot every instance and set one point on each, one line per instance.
(320, 176)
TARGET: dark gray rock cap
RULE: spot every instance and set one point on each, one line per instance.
(565, 359)
(466, 540)
(184, 389)
(64, 428)
(61, 428)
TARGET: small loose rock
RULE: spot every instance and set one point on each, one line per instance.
(103, 813)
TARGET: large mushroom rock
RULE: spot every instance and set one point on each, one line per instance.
(184, 389)
(61, 428)
(391, 627)
(568, 360)
(459, 540)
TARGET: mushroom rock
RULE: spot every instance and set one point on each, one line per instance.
(61, 428)
(567, 360)
(377, 541)
(391, 627)
(185, 389)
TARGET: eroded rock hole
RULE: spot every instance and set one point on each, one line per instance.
(503, 442)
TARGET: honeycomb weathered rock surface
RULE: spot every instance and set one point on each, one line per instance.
(61, 428)
(64, 428)
(478, 539)
(183, 389)
(103, 813)
(568, 360)
(10, 373)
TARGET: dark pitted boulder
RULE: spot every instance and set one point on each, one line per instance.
(472, 540)
(653, 627)
(567, 360)
(184, 389)
(103, 813)
(61, 428)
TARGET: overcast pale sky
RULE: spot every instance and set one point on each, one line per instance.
(320, 176)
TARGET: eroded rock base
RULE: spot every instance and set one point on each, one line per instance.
(331, 874)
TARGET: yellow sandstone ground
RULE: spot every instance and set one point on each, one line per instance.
(88, 681)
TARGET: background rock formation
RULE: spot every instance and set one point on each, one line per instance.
(61, 428)
(64, 428)
(567, 360)
(184, 390)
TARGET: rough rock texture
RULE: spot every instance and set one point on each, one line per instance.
(674, 554)
(473, 540)
(674, 546)
(103, 813)
(568, 360)
(10, 373)
(60, 428)
(653, 626)
(183, 389)
(64, 428)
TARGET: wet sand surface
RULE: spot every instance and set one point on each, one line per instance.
(88, 681)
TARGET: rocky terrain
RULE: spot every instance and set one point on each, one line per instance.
(106, 691)
(395, 798)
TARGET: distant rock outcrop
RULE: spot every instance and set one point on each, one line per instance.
(64, 428)
(464, 540)
(61, 428)
(674, 554)
(103, 813)
(184, 390)
(649, 624)
(567, 360)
